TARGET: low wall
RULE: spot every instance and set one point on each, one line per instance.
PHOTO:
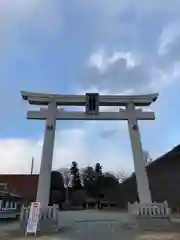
(8, 209)
(48, 218)
(160, 209)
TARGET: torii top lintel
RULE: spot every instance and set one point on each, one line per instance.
(80, 100)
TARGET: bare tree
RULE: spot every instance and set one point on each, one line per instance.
(121, 176)
(147, 158)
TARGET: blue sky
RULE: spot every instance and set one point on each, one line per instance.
(113, 47)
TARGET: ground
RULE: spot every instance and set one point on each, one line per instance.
(90, 225)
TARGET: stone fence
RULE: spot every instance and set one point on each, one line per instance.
(9, 209)
(149, 209)
(47, 218)
(50, 213)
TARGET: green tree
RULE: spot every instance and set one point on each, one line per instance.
(88, 174)
(76, 180)
(98, 170)
(57, 190)
(97, 183)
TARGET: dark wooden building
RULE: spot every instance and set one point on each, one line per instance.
(164, 180)
(25, 185)
(22, 185)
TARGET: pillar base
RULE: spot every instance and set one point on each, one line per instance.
(48, 220)
(150, 216)
(153, 222)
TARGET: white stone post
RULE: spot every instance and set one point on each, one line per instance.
(7, 204)
(1, 201)
(138, 157)
(43, 191)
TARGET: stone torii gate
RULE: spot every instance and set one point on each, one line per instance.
(91, 101)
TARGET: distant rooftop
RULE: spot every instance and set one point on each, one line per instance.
(162, 159)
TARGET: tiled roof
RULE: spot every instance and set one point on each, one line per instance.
(7, 194)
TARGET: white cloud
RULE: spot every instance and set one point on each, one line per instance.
(98, 60)
(70, 145)
(15, 10)
(113, 7)
(120, 72)
(19, 7)
(41, 16)
(135, 26)
(166, 68)
(16, 155)
(132, 72)
(102, 61)
(109, 15)
(168, 35)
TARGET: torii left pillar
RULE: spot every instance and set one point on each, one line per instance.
(43, 191)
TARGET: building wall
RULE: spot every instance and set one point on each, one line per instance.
(23, 185)
(164, 180)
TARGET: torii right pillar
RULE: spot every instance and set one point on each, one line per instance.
(138, 156)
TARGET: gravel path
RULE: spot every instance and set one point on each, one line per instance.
(89, 225)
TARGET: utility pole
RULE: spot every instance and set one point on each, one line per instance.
(32, 165)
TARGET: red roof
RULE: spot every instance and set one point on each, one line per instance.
(24, 186)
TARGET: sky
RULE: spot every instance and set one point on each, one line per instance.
(73, 47)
